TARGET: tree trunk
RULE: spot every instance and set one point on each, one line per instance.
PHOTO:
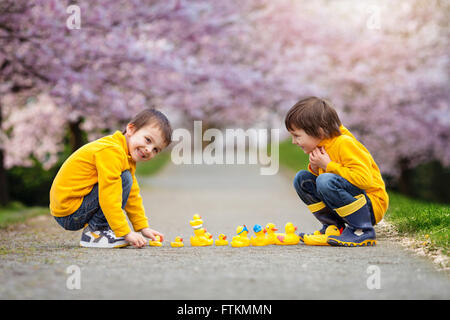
(404, 182)
(4, 189)
(76, 135)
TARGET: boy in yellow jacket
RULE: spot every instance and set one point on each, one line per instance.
(343, 185)
(98, 181)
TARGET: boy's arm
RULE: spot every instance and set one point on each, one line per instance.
(135, 207)
(354, 166)
(109, 169)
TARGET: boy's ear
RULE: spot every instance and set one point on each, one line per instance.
(130, 129)
(322, 133)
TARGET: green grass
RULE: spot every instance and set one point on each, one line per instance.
(292, 157)
(16, 212)
(150, 167)
(425, 221)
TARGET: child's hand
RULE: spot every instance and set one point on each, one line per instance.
(319, 158)
(313, 167)
(135, 239)
(150, 233)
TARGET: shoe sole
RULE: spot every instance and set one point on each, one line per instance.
(338, 243)
(96, 245)
(316, 240)
(302, 238)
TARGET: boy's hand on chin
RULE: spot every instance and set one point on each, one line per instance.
(150, 233)
(319, 158)
(313, 166)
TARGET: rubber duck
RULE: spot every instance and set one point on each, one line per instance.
(271, 235)
(200, 239)
(241, 239)
(289, 237)
(177, 243)
(196, 221)
(156, 243)
(260, 238)
(321, 239)
(208, 235)
(222, 240)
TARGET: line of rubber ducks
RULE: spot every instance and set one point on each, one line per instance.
(263, 236)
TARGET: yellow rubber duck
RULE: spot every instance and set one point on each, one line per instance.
(196, 221)
(208, 235)
(321, 239)
(271, 235)
(289, 237)
(177, 243)
(241, 239)
(156, 243)
(200, 239)
(222, 240)
(260, 238)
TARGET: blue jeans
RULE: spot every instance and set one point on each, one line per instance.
(330, 188)
(90, 211)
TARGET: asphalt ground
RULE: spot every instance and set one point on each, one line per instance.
(39, 260)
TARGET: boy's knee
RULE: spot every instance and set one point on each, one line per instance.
(127, 182)
(70, 223)
(127, 179)
(302, 175)
(325, 182)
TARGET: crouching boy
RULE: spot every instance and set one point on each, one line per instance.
(97, 182)
(343, 185)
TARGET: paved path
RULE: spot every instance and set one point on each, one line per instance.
(34, 256)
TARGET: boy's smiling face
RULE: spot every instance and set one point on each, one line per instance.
(145, 143)
(306, 142)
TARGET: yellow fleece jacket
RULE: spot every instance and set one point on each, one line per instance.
(101, 161)
(352, 161)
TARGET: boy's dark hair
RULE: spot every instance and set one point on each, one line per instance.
(154, 117)
(311, 115)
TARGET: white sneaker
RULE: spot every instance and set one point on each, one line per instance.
(101, 239)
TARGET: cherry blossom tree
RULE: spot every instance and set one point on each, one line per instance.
(392, 86)
(384, 65)
(126, 55)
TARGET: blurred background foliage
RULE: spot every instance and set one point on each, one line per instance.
(383, 64)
